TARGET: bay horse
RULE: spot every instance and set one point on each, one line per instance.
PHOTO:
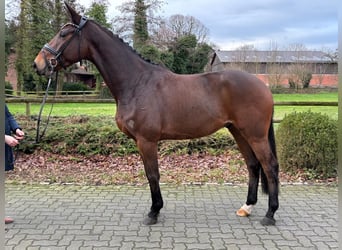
(156, 104)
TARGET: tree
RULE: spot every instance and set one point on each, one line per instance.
(142, 11)
(140, 34)
(37, 20)
(34, 22)
(199, 58)
(188, 25)
(275, 67)
(299, 70)
(182, 51)
(58, 20)
(98, 11)
(177, 26)
(123, 25)
(188, 56)
(10, 38)
(185, 37)
(22, 44)
(322, 68)
(151, 53)
(275, 74)
(179, 42)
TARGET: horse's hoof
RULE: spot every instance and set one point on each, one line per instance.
(150, 221)
(268, 221)
(242, 213)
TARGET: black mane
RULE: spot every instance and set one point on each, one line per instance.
(115, 36)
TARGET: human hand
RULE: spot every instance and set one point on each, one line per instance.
(19, 134)
(11, 141)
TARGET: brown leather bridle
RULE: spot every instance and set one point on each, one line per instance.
(53, 62)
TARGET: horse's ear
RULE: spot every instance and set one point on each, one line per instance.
(75, 17)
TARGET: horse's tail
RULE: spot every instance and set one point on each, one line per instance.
(271, 139)
(272, 143)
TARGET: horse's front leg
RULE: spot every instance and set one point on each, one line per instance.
(149, 154)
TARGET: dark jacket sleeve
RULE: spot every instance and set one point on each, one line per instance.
(11, 124)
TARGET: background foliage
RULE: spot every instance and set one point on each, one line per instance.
(306, 150)
(38, 21)
(91, 135)
(307, 141)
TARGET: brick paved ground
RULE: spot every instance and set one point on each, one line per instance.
(194, 217)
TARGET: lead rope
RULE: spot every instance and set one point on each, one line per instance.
(38, 137)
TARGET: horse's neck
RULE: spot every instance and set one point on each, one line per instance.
(119, 65)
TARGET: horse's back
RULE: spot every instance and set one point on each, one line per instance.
(241, 80)
(239, 87)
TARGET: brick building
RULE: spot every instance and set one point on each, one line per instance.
(277, 67)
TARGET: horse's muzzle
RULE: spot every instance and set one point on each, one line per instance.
(43, 68)
(37, 70)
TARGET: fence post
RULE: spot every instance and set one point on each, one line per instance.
(27, 109)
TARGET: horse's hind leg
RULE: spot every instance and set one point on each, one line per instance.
(253, 166)
(270, 168)
(148, 152)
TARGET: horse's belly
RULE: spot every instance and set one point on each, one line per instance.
(190, 130)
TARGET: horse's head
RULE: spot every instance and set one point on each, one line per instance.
(64, 49)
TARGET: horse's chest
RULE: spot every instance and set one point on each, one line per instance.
(125, 124)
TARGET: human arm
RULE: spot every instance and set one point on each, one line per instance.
(13, 126)
(11, 141)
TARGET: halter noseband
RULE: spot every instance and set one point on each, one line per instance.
(58, 53)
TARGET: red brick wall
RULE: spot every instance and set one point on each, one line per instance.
(327, 80)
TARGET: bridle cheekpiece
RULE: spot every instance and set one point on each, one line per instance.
(53, 62)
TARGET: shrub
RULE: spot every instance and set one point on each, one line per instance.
(75, 87)
(307, 142)
(29, 83)
(87, 135)
(8, 88)
(306, 78)
(292, 84)
(105, 93)
(215, 144)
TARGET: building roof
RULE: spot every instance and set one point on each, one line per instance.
(230, 56)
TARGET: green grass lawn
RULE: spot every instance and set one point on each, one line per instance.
(281, 111)
(322, 97)
(66, 109)
(108, 109)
